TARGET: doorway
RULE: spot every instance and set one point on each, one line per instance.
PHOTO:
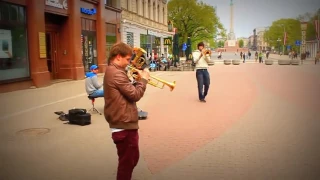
(54, 23)
(52, 49)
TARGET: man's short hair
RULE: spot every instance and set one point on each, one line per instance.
(121, 49)
(200, 44)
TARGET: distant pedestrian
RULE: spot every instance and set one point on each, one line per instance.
(317, 58)
(244, 57)
(260, 57)
(256, 56)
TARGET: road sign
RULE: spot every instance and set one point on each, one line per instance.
(298, 43)
(288, 47)
(184, 46)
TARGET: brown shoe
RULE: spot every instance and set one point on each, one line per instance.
(202, 100)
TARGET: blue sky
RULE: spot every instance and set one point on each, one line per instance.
(250, 14)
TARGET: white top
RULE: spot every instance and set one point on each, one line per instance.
(115, 130)
(202, 63)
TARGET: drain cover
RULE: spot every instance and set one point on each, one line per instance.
(34, 131)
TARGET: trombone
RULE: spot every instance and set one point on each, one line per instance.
(154, 81)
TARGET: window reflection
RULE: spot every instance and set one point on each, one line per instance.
(111, 37)
(13, 42)
(89, 43)
(113, 3)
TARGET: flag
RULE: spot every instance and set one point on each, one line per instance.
(285, 38)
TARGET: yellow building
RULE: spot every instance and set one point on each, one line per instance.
(144, 23)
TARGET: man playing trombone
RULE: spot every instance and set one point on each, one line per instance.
(120, 109)
(201, 60)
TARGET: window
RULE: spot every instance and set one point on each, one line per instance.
(89, 43)
(144, 43)
(88, 25)
(137, 7)
(14, 61)
(130, 38)
(149, 9)
(111, 37)
(158, 17)
(112, 3)
(144, 9)
(128, 1)
(154, 12)
(163, 18)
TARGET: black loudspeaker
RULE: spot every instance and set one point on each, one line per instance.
(79, 117)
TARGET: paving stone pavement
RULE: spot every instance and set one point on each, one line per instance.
(259, 122)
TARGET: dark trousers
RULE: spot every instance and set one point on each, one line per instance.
(203, 79)
(127, 142)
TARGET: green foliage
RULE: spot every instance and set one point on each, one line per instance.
(293, 29)
(194, 19)
(220, 43)
(310, 17)
(241, 43)
(290, 26)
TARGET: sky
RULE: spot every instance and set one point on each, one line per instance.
(251, 14)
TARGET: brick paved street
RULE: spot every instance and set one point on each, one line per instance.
(259, 122)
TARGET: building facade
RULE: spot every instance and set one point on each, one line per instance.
(258, 43)
(144, 24)
(250, 41)
(312, 48)
(245, 41)
(45, 40)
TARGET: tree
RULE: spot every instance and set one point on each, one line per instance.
(278, 28)
(220, 43)
(311, 29)
(189, 18)
(293, 29)
(241, 43)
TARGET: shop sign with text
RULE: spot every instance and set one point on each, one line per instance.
(88, 11)
(61, 4)
(167, 41)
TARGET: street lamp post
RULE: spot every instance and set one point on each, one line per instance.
(284, 37)
(279, 44)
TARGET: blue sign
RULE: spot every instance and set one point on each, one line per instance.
(298, 43)
(88, 11)
(288, 47)
(184, 46)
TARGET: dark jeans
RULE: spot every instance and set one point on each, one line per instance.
(203, 79)
(127, 142)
